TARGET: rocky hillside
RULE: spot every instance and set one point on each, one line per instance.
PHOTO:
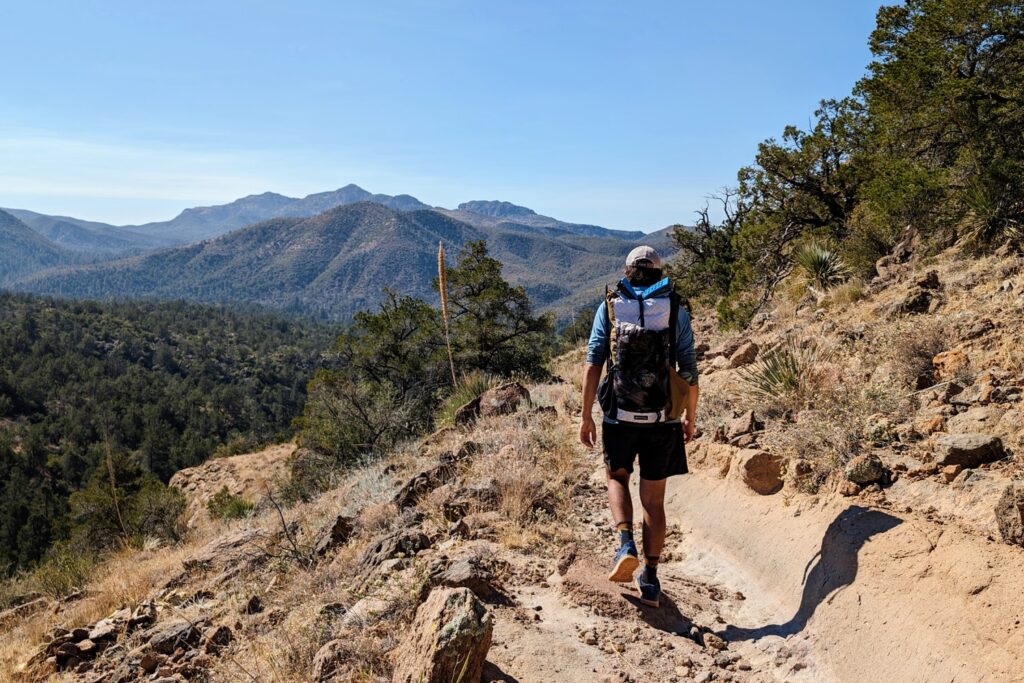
(860, 522)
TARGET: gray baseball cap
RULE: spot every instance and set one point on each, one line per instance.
(644, 253)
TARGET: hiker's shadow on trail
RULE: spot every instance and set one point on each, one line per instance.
(832, 568)
(666, 617)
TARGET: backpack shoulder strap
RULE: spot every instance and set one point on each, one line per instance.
(673, 324)
(609, 302)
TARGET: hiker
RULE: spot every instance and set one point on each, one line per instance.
(649, 398)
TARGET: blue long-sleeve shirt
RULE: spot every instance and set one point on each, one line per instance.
(686, 358)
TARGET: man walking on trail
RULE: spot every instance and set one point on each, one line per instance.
(649, 400)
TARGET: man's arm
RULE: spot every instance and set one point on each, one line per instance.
(597, 353)
(687, 359)
(588, 430)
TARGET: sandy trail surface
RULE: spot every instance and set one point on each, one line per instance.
(798, 589)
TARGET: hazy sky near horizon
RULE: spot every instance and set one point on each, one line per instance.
(620, 114)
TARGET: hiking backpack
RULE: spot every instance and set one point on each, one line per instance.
(641, 385)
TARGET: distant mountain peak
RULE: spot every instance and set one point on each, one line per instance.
(496, 209)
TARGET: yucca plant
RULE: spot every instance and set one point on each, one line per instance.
(822, 265)
(781, 374)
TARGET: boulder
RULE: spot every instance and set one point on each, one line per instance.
(744, 424)
(1010, 514)
(333, 536)
(448, 640)
(471, 574)
(235, 549)
(967, 450)
(167, 637)
(976, 420)
(744, 355)
(864, 470)
(467, 412)
(759, 470)
(503, 399)
(404, 542)
(917, 300)
(422, 483)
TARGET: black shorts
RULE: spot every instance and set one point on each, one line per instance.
(660, 447)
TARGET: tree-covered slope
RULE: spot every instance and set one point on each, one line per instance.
(163, 384)
(23, 251)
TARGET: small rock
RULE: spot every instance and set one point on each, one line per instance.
(917, 300)
(336, 535)
(744, 424)
(253, 605)
(151, 661)
(949, 472)
(929, 280)
(848, 488)
(864, 469)
(218, 638)
(744, 355)
(714, 642)
(1010, 514)
(977, 329)
(948, 363)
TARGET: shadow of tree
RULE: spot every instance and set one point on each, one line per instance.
(834, 568)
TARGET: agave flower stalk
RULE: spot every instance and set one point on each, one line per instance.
(442, 282)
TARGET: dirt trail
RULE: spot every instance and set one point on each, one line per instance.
(801, 592)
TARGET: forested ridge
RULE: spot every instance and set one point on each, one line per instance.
(929, 139)
(158, 386)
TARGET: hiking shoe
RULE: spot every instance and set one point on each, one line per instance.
(650, 589)
(626, 562)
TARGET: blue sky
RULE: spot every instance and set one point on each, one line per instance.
(620, 114)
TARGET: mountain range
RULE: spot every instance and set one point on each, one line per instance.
(335, 263)
(89, 237)
(327, 254)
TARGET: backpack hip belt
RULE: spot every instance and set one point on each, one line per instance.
(640, 418)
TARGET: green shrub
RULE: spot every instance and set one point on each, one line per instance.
(226, 505)
(65, 569)
(124, 504)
